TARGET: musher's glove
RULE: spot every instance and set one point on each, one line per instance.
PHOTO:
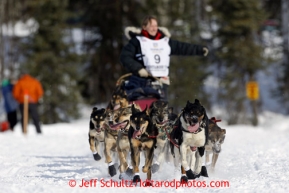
(206, 51)
(143, 73)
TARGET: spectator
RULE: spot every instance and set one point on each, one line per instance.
(32, 87)
(10, 104)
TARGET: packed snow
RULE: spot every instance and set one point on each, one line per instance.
(253, 159)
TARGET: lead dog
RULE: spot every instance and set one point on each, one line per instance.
(190, 136)
(142, 136)
(96, 131)
(215, 140)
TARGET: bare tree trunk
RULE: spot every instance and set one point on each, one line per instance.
(198, 10)
(285, 34)
(9, 55)
(285, 30)
(2, 14)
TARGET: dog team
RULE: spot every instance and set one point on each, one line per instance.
(126, 131)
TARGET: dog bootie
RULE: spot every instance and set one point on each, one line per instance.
(194, 176)
(204, 171)
(184, 179)
(190, 174)
(96, 157)
(121, 176)
(136, 179)
(111, 170)
(129, 172)
(155, 168)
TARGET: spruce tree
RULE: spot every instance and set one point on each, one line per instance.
(187, 73)
(49, 59)
(283, 88)
(239, 53)
(102, 20)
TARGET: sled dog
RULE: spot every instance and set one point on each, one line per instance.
(160, 116)
(142, 135)
(123, 146)
(189, 136)
(110, 138)
(96, 131)
(118, 99)
(215, 140)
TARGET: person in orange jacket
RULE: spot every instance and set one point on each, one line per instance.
(27, 85)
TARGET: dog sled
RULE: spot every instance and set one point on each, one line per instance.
(141, 91)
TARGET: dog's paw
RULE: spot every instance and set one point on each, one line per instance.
(190, 174)
(96, 157)
(111, 170)
(155, 168)
(212, 169)
(208, 163)
(136, 179)
(184, 179)
(129, 172)
(204, 172)
(121, 176)
(145, 169)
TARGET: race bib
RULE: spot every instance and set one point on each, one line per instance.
(156, 55)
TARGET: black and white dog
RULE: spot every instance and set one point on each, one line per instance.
(189, 136)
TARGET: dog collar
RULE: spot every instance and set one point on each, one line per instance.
(199, 130)
(124, 132)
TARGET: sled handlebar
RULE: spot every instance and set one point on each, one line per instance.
(123, 77)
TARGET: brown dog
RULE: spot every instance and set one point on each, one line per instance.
(123, 146)
(118, 99)
(142, 135)
(110, 138)
(96, 131)
(215, 140)
(159, 113)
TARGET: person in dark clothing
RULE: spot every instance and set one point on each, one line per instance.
(10, 103)
(149, 49)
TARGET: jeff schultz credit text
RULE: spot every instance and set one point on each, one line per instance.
(102, 183)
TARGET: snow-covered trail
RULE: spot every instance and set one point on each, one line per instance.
(253, 159)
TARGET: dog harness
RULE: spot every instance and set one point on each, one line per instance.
(150, 136)
(174, 126)
(163, 130)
